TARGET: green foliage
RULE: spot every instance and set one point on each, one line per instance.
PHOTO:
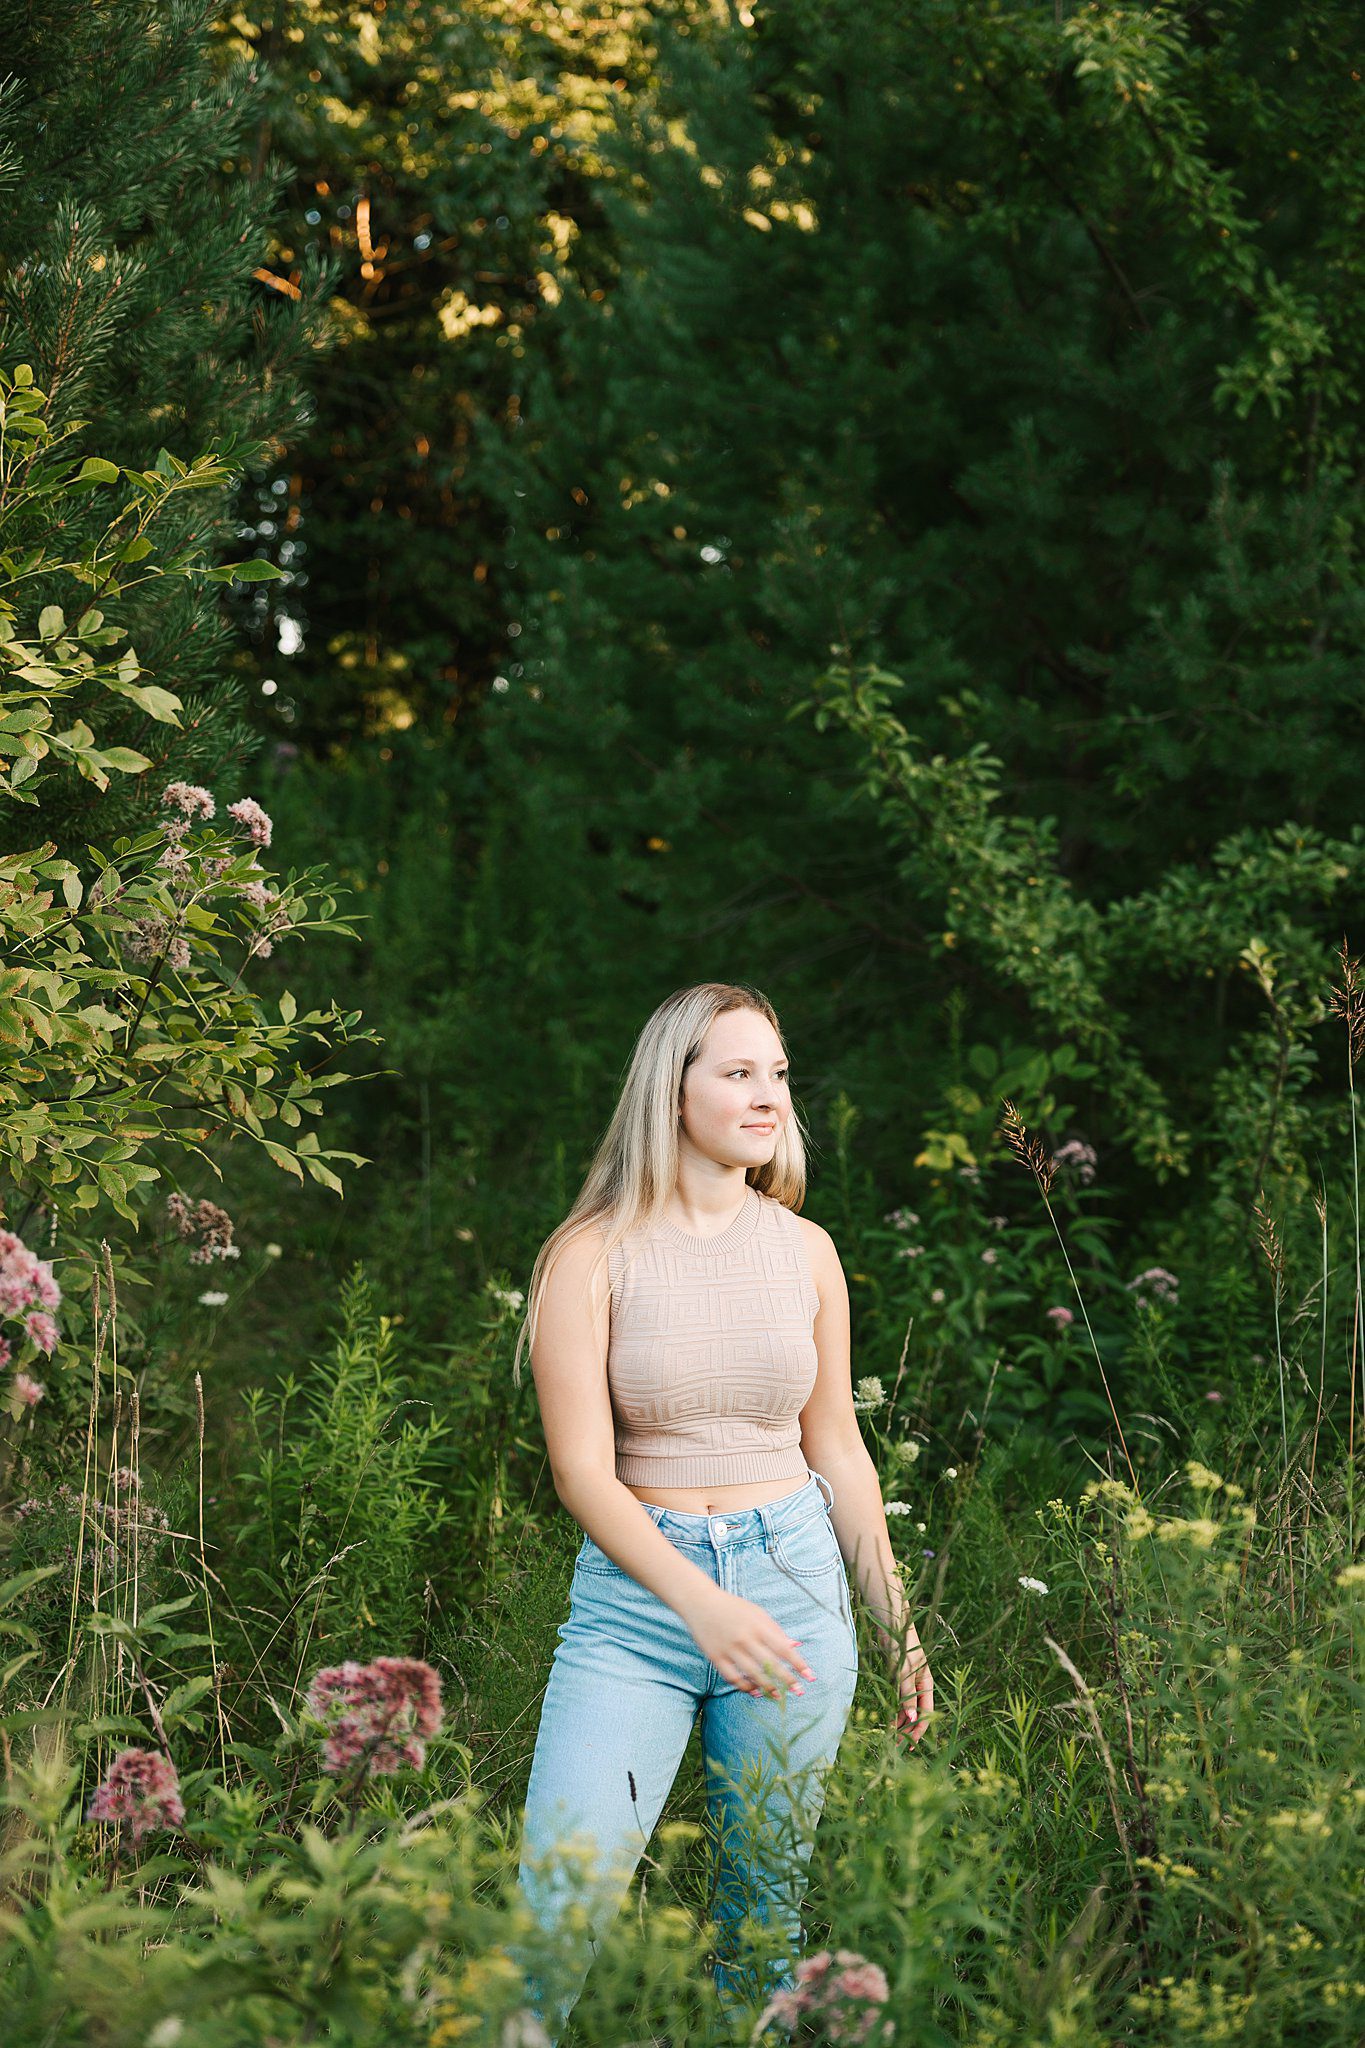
(448, 162)
(341, 1513)
(121, 1003)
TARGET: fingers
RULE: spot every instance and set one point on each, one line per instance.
(780, 1662)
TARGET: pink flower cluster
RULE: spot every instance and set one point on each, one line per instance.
(149, 937)
(253, 819)
(379, 1715)
(26, 1280)
(189, 801)
(205, 1222)
(843, 1992)
(113, 1529)
(1077, 1158)
(1156, 1280)
(143, 1789)
(1062, 1317)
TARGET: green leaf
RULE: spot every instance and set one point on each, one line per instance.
(51, 622)
(21, 1582)
(325, 1175)
(283, 1159)
(288, 1007)
(95, 470)
(253, 572)
(160, 704)
(175, 1703)
(125, 759)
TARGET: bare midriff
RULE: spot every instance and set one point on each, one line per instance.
(698, 1500)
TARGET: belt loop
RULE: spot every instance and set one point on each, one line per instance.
(824, 1483)
(765, 1516)
(654, 1511)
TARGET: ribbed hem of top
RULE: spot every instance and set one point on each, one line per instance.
(728, 1240)
(711, 1468)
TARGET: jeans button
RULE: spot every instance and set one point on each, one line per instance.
(722, 1528)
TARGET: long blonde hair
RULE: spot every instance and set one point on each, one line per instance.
(635, 1167)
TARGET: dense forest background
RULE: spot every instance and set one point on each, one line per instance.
(860, 505)
(858, 500)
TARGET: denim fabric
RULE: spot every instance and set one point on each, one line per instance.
(625, 1687)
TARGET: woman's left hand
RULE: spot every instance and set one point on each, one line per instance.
(916, 1687)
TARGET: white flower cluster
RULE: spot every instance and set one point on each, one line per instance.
(901, 1219)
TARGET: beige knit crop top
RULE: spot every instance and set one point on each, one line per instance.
(712, 1350)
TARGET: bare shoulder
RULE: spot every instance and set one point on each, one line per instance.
(577, 1264)
(826, 1269)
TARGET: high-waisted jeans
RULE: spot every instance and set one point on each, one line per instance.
(625, 1686)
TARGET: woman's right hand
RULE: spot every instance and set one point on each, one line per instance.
(747, 1647)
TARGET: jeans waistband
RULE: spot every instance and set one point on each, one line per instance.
(737, 1526)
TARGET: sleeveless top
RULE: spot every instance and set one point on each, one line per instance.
(712, 1353)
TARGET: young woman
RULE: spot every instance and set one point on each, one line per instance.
(689, 1339)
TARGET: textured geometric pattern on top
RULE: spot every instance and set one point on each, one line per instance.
(712, 1351)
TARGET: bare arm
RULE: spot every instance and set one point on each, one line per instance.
(569, 1363)
(833, 1442)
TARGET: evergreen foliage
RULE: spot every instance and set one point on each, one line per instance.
(131, 282)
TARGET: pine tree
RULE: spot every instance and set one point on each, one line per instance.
(132, 283)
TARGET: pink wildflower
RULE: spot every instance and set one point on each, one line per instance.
(29, 1392)
(248, 813)
(6, 1352)
(190, 798)
(24, 1277)
(842, 1993)
(378, 1715)
(1078, 1158)
(211, 1226)
(142, 1788)
(149, 937)
(42, 1330)
(864, 1980)
(1213, 1395)
(1062, 1317)
(1162, 1284)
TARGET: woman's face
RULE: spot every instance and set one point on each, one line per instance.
(735, 1094)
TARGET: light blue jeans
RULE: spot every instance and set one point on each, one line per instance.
(625, 1686)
